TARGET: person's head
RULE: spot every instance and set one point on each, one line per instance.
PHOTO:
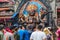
(47, 31)
(7, 29)
(13, 28)
(42, 24)
(21, 27)
(39, 27)
(34, 28)
(50, 28)
(29, 27)
(16, 29)
(1, 27)
(25, 25)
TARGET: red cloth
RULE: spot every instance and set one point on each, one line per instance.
(58, 32)
(7, 29)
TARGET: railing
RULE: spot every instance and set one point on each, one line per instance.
(6, 14)
(6, 5)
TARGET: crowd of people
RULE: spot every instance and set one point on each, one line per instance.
(28, 31)
(22, 32)
(32, 27)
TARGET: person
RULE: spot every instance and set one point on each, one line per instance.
(38, 35)
(34, 28)
(16, 35)
(1, 32)
(58, 32)
(21, 32)
(29, 30)
(48, 34)
(9, 34)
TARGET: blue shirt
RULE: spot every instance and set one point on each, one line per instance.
(21, 33)
(27, 35)
(24, 34)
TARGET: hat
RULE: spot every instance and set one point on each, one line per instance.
(47, 31)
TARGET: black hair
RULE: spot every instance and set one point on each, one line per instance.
(34, 27)
(1, 27)
(12, 27)
(30, 27)
(39, 27)
(20, 26)
(24, 24)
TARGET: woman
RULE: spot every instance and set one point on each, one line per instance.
(58, 32)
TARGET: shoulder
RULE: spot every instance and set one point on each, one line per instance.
(42, 32)
(20, 30)
(34, 32)
(1, 33)
(8, 33)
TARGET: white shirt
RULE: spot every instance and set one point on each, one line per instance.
(38, 35)
(7, 35)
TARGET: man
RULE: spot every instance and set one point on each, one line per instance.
(21, 32)
(16, 35)
(29, 30)
(38, 35)
(9, 35)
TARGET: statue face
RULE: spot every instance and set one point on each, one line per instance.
(31, 7)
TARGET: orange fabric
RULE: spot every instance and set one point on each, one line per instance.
(1, 9)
